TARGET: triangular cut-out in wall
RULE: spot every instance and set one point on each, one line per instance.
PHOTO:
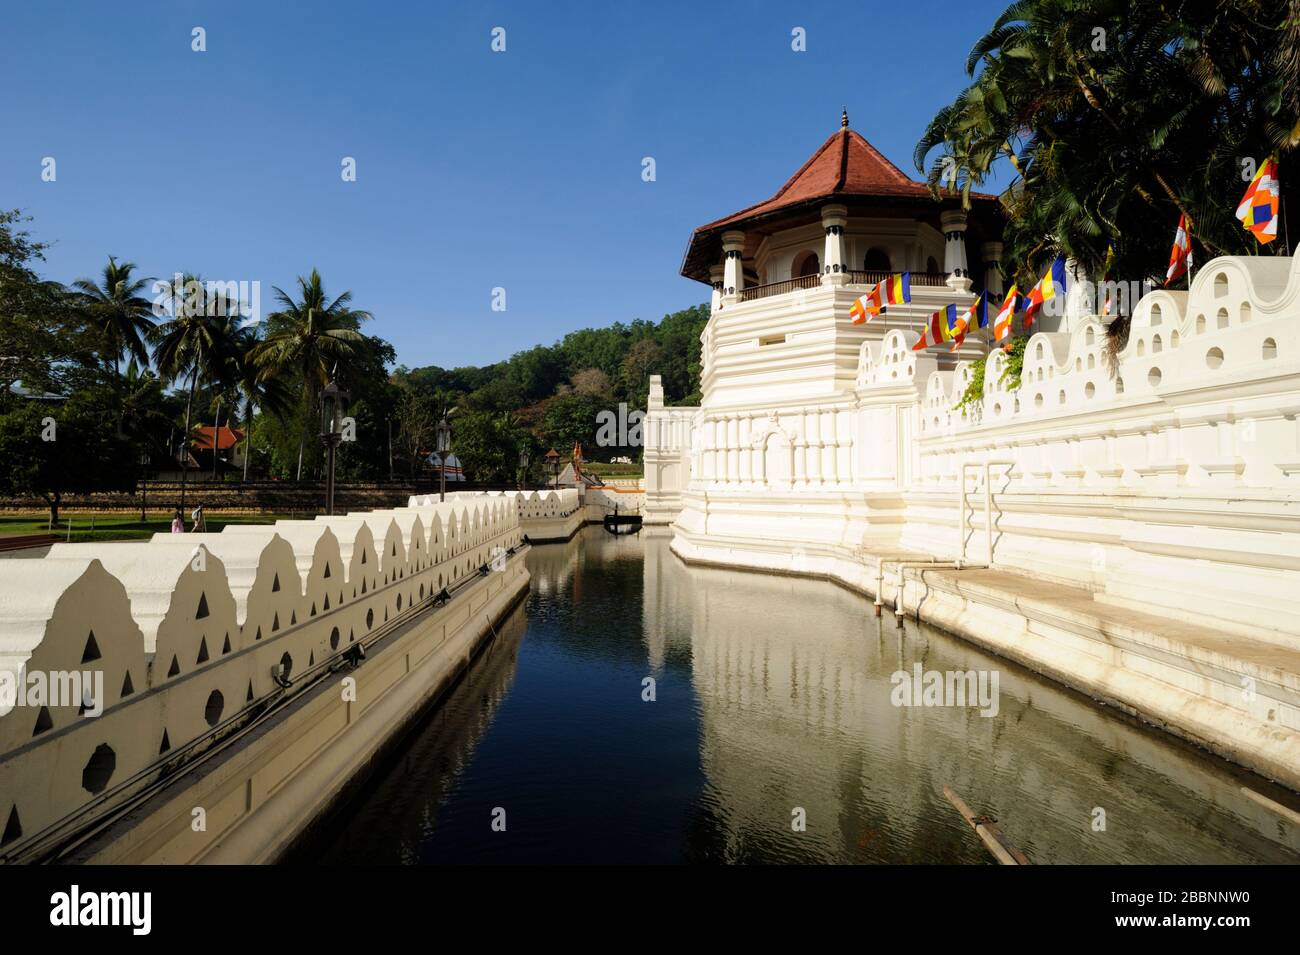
(352, 636)
(327, 568)
(313, 608)
(249, 698)
(175, 668)
(166, 743)
(127, 686)
(13, 828)
(363, 556)
(43, 721)
(258, 635)
(203, 607)
(326, 604)
(275, 584)
(225, 647)
(293, 618)
(363, 585)
(275, 623)
(311, 660)
(203, 650)
(92, 649)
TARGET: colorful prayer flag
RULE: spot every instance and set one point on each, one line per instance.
(1049, 286)
(1180, 258)
(1258, 209)
(977, 316)
(1002, 324)
(939, 327)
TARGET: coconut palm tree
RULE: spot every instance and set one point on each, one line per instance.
(196, 341)
(1115, 116)
(311, 337)
(123, 317)
(257, 393)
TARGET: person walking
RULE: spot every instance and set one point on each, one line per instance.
(178, 522)
(200, 526)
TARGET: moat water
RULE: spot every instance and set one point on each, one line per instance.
(774, 702)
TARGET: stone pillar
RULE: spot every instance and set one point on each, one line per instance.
(715, 279)
(733, 271)
(991, 255)
(834, 264)
(733, 450)
(953, 222)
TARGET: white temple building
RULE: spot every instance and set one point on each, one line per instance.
(1134, 532)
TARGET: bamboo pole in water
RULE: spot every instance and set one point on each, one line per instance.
(989, 833)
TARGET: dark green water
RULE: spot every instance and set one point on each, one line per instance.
(773, 695)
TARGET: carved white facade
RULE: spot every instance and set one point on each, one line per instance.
(1181, 472)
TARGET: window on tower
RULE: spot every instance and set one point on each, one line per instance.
(877, 260)
(806, 263)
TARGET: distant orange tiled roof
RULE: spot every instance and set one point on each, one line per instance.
(226, 438)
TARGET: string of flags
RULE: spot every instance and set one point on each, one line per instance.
(1257, 211)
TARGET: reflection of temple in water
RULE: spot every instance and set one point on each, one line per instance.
(792, 680)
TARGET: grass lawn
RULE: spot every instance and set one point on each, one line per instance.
(121, 525)
(600, 469)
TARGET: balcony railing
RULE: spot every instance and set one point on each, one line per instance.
(856, 277)
(780, 288)
(929, 279)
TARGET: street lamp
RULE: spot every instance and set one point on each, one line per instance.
(523, 469)
(331, 413)
(144, 482)
(553, 459)
(443, 436)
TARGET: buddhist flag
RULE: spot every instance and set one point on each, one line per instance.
(867, 307)
(1049, 286)
(938, 328)
(1258, 209)
(977, 316)
(1002, 323)
(1180, 258)
(895, 290)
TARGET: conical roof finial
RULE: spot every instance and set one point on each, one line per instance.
(844, 119)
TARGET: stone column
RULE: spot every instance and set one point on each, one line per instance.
(991, 255)
(715, 279)
(953, 222)
(834, 265)
(733, 271)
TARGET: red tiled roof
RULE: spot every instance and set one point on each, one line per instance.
(226, 438)
(844, 167)
(846, 164)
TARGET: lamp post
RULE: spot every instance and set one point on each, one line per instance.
(144, 483)
(523, 469)
(443, 435)
(331, 410)
(553, 459)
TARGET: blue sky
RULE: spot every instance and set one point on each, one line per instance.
(475, 169)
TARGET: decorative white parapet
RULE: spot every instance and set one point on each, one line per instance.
(119, 661)
(668, 434)
(1171, 482)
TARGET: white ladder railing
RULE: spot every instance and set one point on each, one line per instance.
(963, 515)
